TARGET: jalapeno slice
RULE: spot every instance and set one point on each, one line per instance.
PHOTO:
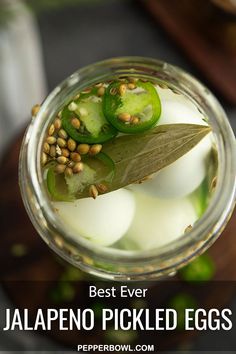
(98, 170)
(57, 186)
(93, 127)
(132, 110)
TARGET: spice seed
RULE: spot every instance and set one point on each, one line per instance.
(131, 86)
(65, 152)
(51, 129)
(102, 188)
(83, 149)
(57, 124)
(46, 148)
(124, 117)
(52, 151)
(122, 89)
(99, 85)
(44, 158)
(188, 228)
(78, 167)
(51, 140)
(75, 122)
(63, 134)
(93, 192)
(61, 142)
(101, 91)
(71, 144)
(62, 160)
(135, 120)
(68, 171)
(75, 157)
(35, 110)
(95, 149)
(71, 164)
(87, 90)
(60, 168)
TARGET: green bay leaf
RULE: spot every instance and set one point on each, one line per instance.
(140, 155)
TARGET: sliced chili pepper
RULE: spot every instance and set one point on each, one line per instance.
(200, 269)
(57, 186)
(132, 111)
(94, 127)
(98, 169)
(180, 302)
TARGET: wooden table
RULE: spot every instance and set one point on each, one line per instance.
(206, 35)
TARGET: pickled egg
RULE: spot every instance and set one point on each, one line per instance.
(184, 175)
(158, 222)
(103, 220)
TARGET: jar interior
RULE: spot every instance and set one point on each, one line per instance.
(129, 217)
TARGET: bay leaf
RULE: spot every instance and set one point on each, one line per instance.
(140, 155)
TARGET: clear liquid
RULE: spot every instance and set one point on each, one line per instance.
(159, 210)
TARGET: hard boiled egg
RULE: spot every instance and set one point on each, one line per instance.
(158, 222)
(184, 175)
(168, 94)
(103, 220)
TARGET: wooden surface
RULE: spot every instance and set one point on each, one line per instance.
(39, 263)
(206, 34)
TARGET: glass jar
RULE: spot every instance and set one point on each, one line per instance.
(110, 263)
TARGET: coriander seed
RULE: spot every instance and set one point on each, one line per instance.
(78, 167)
(124, 117)
(83, 149)
(57, 124)
(52, 151)
(62, 134)
(62, 160)
(95, 149)
(61, 142)
(35, 110)
(60, 168)
(75, 122)
(51, 130)
(71, 144)
(51, 140)
(75, 157)
(93, 192)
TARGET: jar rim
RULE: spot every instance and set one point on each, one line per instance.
(221, 203)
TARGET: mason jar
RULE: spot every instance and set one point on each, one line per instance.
(110, 263)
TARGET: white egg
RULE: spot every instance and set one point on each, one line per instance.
(167, 94)
(158, 222)
(179, 111)
(103, 220)
(184, 175)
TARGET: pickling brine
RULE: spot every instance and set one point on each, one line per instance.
(130, 164)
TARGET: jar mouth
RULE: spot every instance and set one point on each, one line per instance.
(206, 229)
